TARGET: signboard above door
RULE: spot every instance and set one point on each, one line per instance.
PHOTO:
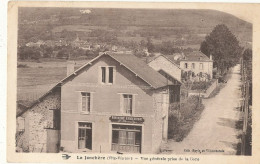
(127, 119)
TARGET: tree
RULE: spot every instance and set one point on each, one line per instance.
(247, 55)
(150, 46)
(223, 46)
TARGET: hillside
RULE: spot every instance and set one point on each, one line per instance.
(161, 24)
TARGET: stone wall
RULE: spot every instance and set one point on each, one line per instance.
(161, 103)
(37, 120)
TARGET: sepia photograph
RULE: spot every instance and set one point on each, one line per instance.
(130, 81)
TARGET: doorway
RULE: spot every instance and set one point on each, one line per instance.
(85, 135)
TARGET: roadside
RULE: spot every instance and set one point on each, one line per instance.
(217, 131)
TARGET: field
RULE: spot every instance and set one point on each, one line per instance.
(37, 78)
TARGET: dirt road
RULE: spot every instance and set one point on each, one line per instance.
(215, 132)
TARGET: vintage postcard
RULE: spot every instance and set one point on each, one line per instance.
(124, 82)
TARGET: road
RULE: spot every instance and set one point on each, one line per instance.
(216, 129)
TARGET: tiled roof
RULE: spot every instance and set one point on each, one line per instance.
(141, 69)
(195, 56)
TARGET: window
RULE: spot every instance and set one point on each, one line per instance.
(84, 135)
(103, 74)
(20, 124)
(56, 119)
(107, 75)
(126, 138)
(186, 65)
(110, 80)
(193, 65)
(85, 106)
(128, 103)
(201, 65)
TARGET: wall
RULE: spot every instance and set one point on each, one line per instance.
(207, 92)
(37, 119)
(160, 125)
(207, 67)
(106, 102)
(167, 66)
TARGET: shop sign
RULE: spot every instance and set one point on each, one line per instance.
(127, 119)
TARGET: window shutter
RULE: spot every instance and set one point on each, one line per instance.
(114, 75)
(99, 75)
(121, 103)
(79, 102)
(133, 104)
(91, 101)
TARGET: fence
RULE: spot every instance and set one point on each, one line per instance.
(245, 145)
(204, 93)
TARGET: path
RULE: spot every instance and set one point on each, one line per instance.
(216, 129)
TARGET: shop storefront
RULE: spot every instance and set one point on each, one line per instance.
(126, 134)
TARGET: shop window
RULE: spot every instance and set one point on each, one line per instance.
(84, 135)
(85, 100)
(126, 138)
(128, 104)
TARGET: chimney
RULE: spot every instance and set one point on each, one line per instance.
(70, 67)
(210, 57)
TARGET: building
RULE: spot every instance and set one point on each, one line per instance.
(162, 62)
(114, 103)
(171, 71)
(198, 63)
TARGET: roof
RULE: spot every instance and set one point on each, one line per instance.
(131, 62)
(141, 69)
(168, 57)
(195, 56)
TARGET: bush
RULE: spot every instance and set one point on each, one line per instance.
(201, 85)
(182, 117)
(22, 66)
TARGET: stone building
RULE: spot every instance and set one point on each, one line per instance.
(114, 103)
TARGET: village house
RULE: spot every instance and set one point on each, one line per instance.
(114, 103)
(199, 64)
(171, 71)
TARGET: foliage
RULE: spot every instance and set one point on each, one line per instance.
(222, 44)
(247, 55)
(181, 123)
(201, 85)
(22, 66)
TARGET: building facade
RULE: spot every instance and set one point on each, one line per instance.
(114, 103)
(199, 64)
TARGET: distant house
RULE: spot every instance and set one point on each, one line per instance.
(36, 44)
(114, 103)
(198, 63)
